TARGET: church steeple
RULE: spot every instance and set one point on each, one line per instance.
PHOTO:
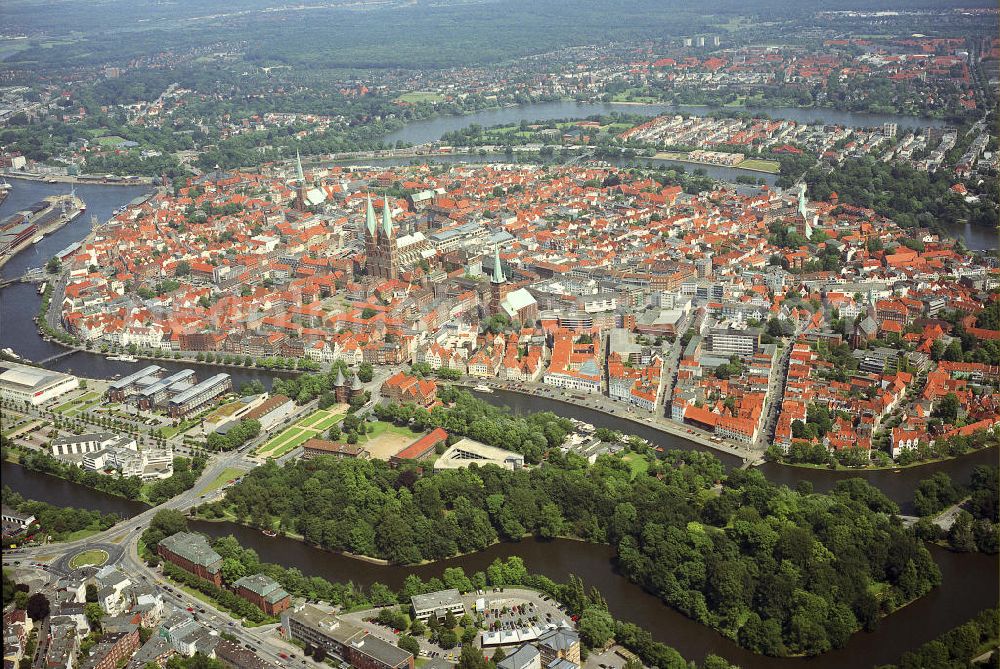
(498, 276)
(386, 217)
(299, 174)
(370, 217)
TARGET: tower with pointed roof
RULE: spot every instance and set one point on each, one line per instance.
(497, 281)
(341, 390)
(300, 188)
(381, 248)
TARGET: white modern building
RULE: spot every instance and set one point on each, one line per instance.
(437, 604)
(466, 452)
(35, 386)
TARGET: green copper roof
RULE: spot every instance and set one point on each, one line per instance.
(386, 217)
(498, 276)
(370, 217)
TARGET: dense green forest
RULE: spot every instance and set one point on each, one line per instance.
(780, 571)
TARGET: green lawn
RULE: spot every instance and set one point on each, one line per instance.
(81, 534)
(223, 478)
(313, 425)
(94, 557)
(769, 166)
(638, 464)
(76, 405)
(420, 96)
(381, 427)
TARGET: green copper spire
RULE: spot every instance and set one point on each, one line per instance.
(370, 217)
(498, 276)
(299, 175)
(386, 217)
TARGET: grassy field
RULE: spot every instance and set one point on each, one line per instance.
(637, 463)
(313, 425)
(420, 96)
(80, 404)
(95, 557)
(223, 478)
(769, 166)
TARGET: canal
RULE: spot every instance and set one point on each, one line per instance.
(969, 582)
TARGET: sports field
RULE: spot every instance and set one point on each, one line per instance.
(314, 425)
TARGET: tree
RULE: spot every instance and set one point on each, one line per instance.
(232, 570)
(447, 639)
(91, 592)
(164, 524)
(471, 658)
(365, 372)
(93, 613)
(409, 644)
(53, 266)
(38, 607)
(947, 408)
(960, 536)
(596, 627)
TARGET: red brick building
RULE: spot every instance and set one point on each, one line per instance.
(264, 592)
(192, 553)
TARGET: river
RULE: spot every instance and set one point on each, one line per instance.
(430, 130)
(897, 485)
(969, 582)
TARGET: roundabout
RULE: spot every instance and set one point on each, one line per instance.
(88, 558)
(95, 555)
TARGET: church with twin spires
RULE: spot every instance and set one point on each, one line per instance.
(381, 248)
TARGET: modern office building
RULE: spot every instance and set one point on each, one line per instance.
(437, 604)
(348, 642)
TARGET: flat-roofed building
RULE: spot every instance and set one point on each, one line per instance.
(35, 386)
(344, 640)
(466, 452)
(16, 518)
(742, 342)
(437, 604)
(92, 442)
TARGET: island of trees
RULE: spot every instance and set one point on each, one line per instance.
(780, 571)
